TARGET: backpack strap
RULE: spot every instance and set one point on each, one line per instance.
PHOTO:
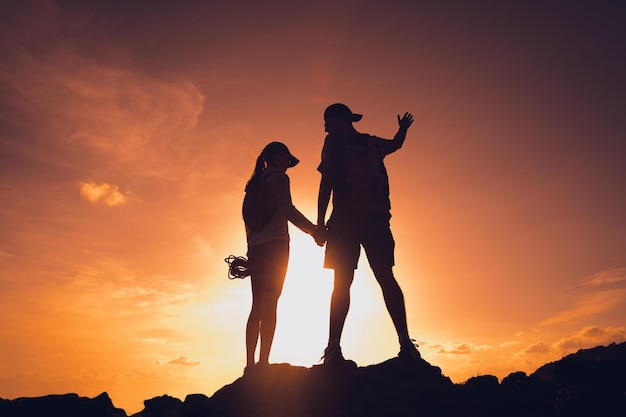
(265, 177)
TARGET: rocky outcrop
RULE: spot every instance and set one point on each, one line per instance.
(390, 388)
(66, 405)
(589, 383)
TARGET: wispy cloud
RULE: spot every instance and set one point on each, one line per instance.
(608, 276)
(160, 335)
(93, 108)
(598, 293)
(154, 292)
(184, 361)
(143, 375)
(510, 343)
(462, 349)
(155, 341)
(5, 255)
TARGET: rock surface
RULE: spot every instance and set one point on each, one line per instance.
(66, 405)
(588, 383)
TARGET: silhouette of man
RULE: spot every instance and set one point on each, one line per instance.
(353, 172)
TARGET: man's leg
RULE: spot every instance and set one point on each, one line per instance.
(379, 247)
(340, 302)
(394, 300)
(342, 255)
(339, 306)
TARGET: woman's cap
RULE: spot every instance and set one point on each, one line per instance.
(340, 109)
(275, 148)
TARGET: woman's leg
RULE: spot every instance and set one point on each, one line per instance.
(277, 258)
(268, 324)
(254, 323)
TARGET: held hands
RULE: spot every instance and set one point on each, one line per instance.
(320, 235)
(405, 121)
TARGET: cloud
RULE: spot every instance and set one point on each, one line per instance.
(608, 276)
(463, 349)
(591, 336)
(107, 194)
(154, 340)
(5, 255)
(143, 375)
(156, 292)
(588, 305)
(131, 299)
(587, 337)
(160, 335)
(184, 361)
(537, 348)
(90, 108)
(510, 343)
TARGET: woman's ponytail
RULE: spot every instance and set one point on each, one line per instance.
(259, 167)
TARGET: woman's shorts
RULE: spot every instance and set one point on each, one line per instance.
(268, 265)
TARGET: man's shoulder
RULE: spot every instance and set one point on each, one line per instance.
(381, 145)
(371, 138)
(334, 138)
(343, 140)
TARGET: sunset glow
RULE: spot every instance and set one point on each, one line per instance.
(128, 130)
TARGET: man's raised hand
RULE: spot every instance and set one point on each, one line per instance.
(405, 121)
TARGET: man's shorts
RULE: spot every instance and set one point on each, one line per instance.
(349, 232)
(268, 265)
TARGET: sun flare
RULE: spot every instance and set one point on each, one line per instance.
(302, 324)
(303, 309)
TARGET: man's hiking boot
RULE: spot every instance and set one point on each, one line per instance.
(408, 351)
(332, 355)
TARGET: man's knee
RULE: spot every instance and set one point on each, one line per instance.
(343, 280)
(382, 271)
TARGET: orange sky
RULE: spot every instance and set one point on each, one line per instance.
(128, 130)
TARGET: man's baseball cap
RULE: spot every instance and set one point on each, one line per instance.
(275, 148)
(339, 109)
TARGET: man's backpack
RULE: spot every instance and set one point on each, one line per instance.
(256, 205)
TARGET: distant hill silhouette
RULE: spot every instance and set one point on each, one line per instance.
(590, 383)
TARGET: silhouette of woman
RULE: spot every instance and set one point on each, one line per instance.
(268, 249)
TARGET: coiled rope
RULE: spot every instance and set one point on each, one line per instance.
(237, 267)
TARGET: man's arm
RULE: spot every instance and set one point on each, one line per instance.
(323, 198)
(327, 167)
(403, 125)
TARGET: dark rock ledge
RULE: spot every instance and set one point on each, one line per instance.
(590, 383)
